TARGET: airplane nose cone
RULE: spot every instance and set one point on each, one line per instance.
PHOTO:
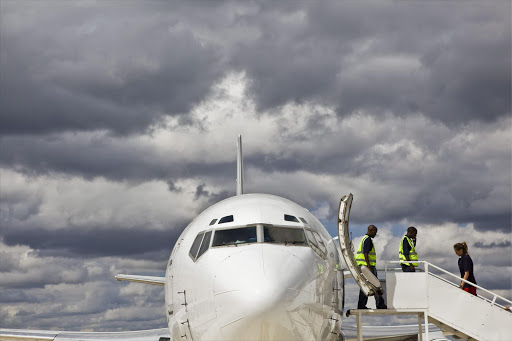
(255, 288)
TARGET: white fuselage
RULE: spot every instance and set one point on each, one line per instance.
(266, 273)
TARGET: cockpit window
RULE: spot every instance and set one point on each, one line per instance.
(195, 246)
(315, 245)
(320, 242)
(234, 236)
(200, 245)
(311, 238)
(213, 222)
(303, 220)
(272, 234)
(226, 219)
(288, 217)
(205, 244)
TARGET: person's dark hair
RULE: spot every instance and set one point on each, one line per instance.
(412, 229)
(461, 246)
(372, 231)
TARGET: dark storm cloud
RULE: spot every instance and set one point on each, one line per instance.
(213, 197)
(173, 187)
(98, 156)
(201, 192)
(282, 73)
(450, 64)
(493, 245)
(70, 69)
(95, 242)
(13, 295)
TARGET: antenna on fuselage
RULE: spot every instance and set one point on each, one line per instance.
(239, 168)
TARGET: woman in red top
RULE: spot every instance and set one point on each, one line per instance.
(465, 267)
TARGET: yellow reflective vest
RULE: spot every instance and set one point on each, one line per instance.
(412, 254)
(372, 256)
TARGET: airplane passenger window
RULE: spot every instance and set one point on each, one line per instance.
(195, 246)
(205, 244)
(288, 217)
(234, 236)
(272, 234)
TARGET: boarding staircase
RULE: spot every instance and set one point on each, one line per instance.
(431, 292)
(469, 317)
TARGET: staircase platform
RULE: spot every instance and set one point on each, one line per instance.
(455, 311)
(421, 313)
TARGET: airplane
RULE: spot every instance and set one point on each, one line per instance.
(251, 267)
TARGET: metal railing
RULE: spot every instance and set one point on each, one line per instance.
(427, 265)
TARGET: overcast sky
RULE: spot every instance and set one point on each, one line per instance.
(118, 125)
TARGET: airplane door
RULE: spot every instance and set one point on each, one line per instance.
(339, 289)
(176, 293)
(169, 282)
(368, 283)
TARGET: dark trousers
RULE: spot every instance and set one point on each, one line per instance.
(406, 268)
(363, 299)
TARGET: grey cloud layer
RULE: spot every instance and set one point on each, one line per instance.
(78, 73)
(447, 63)
(452, 178)
(107, 156)
(114, 134)
(142, 243)
(69, 68)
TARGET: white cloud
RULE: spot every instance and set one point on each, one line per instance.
(64, 201)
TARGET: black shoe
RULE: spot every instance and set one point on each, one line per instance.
(383, 307)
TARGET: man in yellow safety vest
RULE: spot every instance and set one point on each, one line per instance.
(366, 256)
(407, 250)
